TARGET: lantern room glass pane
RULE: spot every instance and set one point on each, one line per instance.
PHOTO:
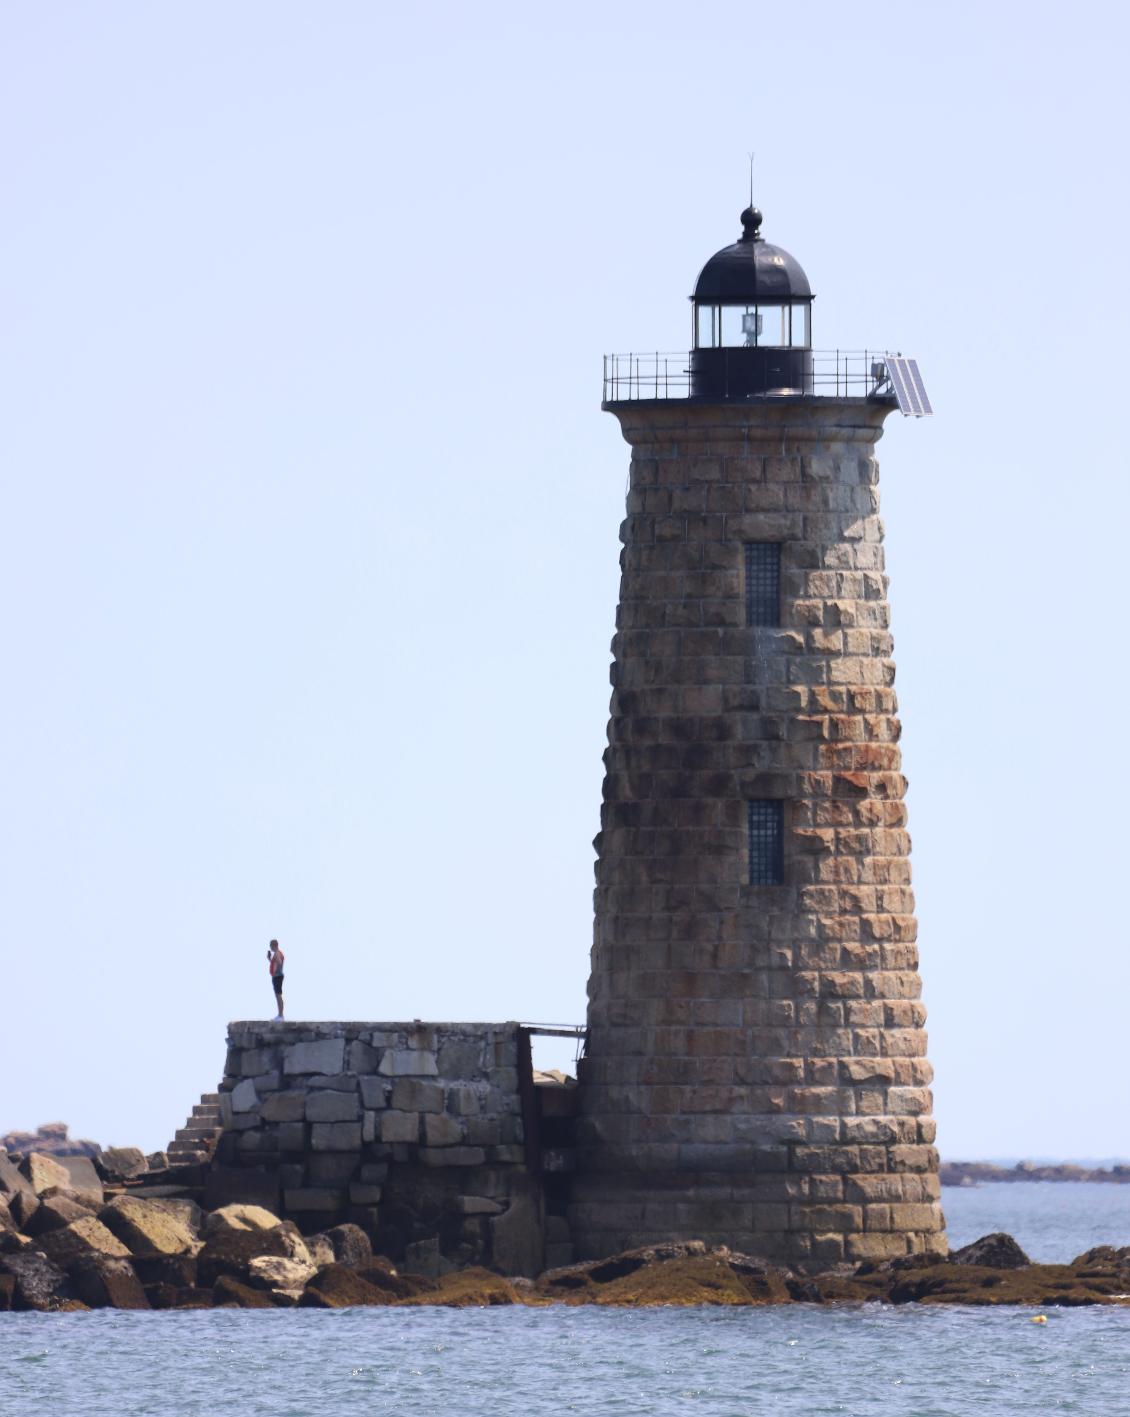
(706, 328)
(801, 332)
(734, 331)
(774, 324)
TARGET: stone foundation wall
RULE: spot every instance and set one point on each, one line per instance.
(414, 1131)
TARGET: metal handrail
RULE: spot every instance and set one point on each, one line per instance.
(836, 373)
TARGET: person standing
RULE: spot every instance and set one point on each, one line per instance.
(275, 961)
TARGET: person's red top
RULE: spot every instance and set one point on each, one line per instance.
(276, 962)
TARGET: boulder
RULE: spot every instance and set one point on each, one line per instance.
(151, 1227)
(234, 1219)
(229, 1291)
(157, 1161)
(121, 1163)
(297, 1248)
(6, 1221)
(351, 1246)
(175, 1271)
(230, 1253)
(7, 1292)
(54, 1212)
(381, 1275)
(13, 1243)
(12, 1183)
(39, 1284)
(81, 1237)
(105, 1282)
(85, 1184)
(22, 1206)
(997, 1251)
(275, 1272)
(41, 1171)
(339, 1287)
(320, 1249)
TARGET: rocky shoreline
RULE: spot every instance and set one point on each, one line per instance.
(77, 1233)
(976, 1173)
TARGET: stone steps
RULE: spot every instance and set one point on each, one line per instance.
(196, 1140)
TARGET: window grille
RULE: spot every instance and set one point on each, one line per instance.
(763, 582)
(766, 842)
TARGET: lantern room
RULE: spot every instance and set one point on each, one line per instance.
(752, 321)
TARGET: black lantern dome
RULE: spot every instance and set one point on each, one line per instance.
(752, 329)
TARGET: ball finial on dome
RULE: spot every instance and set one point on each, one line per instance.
(751, 224)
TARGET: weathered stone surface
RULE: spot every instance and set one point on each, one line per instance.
(409, 1062)
(325, 1055)
(303, 1199)
(997, 1251)
(477, 1205)
(412, 1095)
(442, 1130)
(39, 1283)
(236, 1219)
(120, 1163)
(231, 1252)
(339, 1287)
(83, 1182)
(55, 1212)
(333, 1107)
(726, 1014)
(400, 1126)
(517, 1242)
(244, 1097)
(104, 1281)
(453, 1156)
(81, 1237)
(42, 1172)
(335, 1136)
(350, 1245)
(274, 1272)
(374, 1093)
(283, 1107)
(150, 1227)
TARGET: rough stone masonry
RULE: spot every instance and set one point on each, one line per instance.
(756, 1071)
(412, 1130)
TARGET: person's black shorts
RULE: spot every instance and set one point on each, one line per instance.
(277, 981)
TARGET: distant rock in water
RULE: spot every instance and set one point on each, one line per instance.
(49, 1140)
(997, 1251)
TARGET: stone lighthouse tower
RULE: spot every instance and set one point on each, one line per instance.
(756, 1072)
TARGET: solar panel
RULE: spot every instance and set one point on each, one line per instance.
(908, 387)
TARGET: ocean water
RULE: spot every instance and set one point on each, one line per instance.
(801, 1359)
(1052, 1221)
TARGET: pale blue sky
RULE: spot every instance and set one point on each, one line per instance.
(308, 531)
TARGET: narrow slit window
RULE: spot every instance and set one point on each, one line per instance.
(763, 583)
(766, 842)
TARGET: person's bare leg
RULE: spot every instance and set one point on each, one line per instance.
(279, 1001)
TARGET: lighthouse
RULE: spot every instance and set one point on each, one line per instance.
(756, 1071)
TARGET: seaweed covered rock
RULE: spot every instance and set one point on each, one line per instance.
(340, 1287)
(230, 1291)
(38, 1283)
(466, 1289)
(231, 1252)
(350, 1246)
